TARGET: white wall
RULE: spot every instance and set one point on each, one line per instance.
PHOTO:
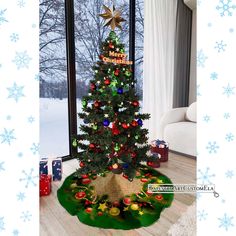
(193, 68)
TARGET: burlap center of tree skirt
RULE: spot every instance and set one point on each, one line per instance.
(116, 186)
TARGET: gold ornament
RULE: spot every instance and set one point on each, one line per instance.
(102, 206)
(114, 211)
(134, 207)
(140, 213)
(126, 208)
(112, 17)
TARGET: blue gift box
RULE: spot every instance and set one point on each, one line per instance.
(57, 169)
(43, 166)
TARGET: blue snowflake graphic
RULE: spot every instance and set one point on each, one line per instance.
(35, 148)
(220, 46)
(214, 76)
(226, 222)
(36, 77)
(7, 136)
(226, 115)
(228, 90)
(31, 119)
(28, 178)
(8, 117)
(22, 60)
(21, 3)
(20, 154)
(229, 174)
(2, 17)
(26, 216)
(21, 196)
(231, 30)
(229, 137)
(225, 7)
(1, 166)
(202, 215)
(198, 90)
(15, 232)
(205, 176)
(212, 147)
(206, 118)
(15, 92)
(201, 58)
(14, 37)
(2, 224)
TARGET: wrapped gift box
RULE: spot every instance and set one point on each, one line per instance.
(161, 147)
(43, 166)
(45, 185)
(57, 169)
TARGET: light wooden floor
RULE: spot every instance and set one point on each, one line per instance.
(55, 221)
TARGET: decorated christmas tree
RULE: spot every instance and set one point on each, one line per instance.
(115, 149)
(116, 140)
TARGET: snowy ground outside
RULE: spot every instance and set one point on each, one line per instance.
(54, 134)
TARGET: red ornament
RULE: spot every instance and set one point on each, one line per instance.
(115, 130)
(101, 57)
(87, 202)
(89, 209)
(135, 103)
(93, 87)
(117, 71)
(144, 180)
(107, 81)
(133, 154)
(149, 193)
(84, 176)
(97, 104)
(110, 168)
(159, 197)
(86, 181)
(80, 195)
(127, 201)
(81, 164)
(125, 176)
(116, 203)
(111, 45)
(149, 163)
(100, 213)
(91, 145)
(134, 123)
(125, 126)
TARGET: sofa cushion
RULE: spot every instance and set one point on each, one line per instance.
(191, 114)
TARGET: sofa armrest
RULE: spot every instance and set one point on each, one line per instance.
(173, 116)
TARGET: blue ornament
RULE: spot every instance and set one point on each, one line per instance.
(125, 165)
(120, 90)
(86, 121)
(106, 122)
(140, 122)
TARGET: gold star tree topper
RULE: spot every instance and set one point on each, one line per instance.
(112, 17)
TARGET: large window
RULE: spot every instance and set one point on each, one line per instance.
(55, 127)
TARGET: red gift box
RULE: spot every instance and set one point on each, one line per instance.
(45, 185)
(161, 148)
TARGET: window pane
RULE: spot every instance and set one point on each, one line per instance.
(89, 33)
(54, 137)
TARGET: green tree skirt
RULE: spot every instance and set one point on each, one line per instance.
(137, 210)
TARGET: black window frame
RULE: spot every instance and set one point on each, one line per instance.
(71, 67)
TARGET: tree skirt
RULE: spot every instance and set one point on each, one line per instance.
(106, 202)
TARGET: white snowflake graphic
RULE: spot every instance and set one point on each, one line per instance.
(1, 166)
(201, 58)
(206, 118)
(2, 224)
(220, 46)
(35, 148)
(225, 7)
(214, 76)
(28, 178)
(229, 174)
(20, 154)
(26, 216)
(31, 119)
(2, 17)
(21, 196)
(22, 60)
(15, 232)
(231, 30)
(229, 137)
(14, 37)
(7, 136)
(228, 90)
(202, 215)
(226, 115)
(21, 3)
(15, 92)
(226, 222)
(205, 176)
(36, 77)
(212, 147)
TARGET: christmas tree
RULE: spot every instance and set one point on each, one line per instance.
(116, 140)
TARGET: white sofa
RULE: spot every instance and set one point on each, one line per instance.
(178, 128)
